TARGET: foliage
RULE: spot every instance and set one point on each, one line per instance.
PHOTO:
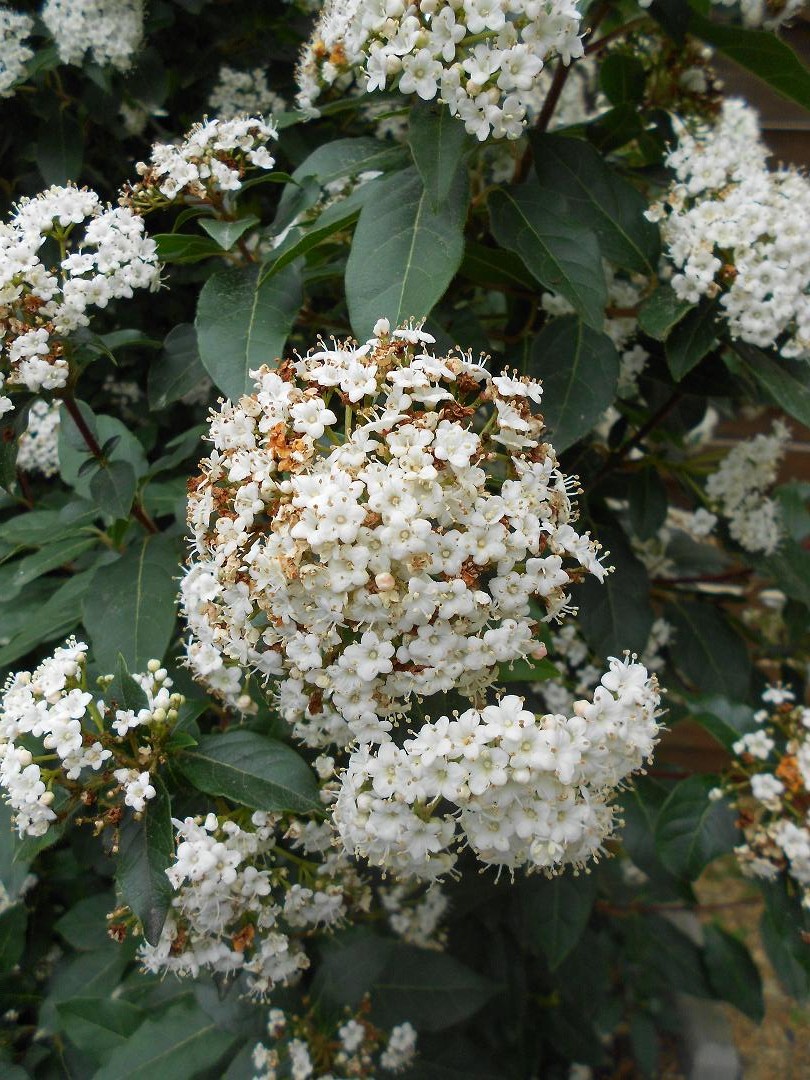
(537, 252)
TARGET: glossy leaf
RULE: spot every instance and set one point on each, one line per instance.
(691, 829)
(145, 851)
(710, 654)
(242, 324)
(130, 608)
(405, 252)
(787, 382)
(692, 337)
(227, 233)
(113, 488)
(438, 142)
(251, 769)
(660, 312)
(595, 195)
(177, 370)
(576, 392)
(562, 254)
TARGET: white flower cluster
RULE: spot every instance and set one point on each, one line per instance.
(769, 14)
(520, 790)
(106, 256)
(739, 485)
(243, 93)
(366, 565)
(233, 907)
(416, 917)
(208, 162)
(51, 710)
(353, 1048)
(770, 789)
(482, 58)
(14, 53)
(38, 450)
(110, 30)
(579, 673)
(736, 230)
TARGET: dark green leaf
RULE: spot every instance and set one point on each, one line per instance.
(527, 670)
(15, 576)
(562, 254)
(84, 926)
(579, 368)
(732, 973)
(98, 1025)
(709, 652)
(647, 497)
(53, 619)
(334, 219)
(251, 769)
(431, 988)
(242, 324)
(185, 247)
(594, 195)
(790, 569)
(177, 370)
(130, 608)
(59, 148)
(438, 142)
(616, 614)
(113, 488)
(553, 913)
(404, 253)
(760, 52)
(723, 719)
(12, 935)
(493, 268)
(782, 928)
(146, 850)
(226, 233)
(692, 830)
(660, 312)
(177, 1045)
(615, 128)
(691, 339)
(644, 1040)
(787, 382)
(622, 77)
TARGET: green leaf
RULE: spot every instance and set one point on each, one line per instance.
(725, 720)
(242, 324)
(644, 1041)
(130, 608)
(226, 233)
(251, 769)
(177, 370)
(178, 1045)
(494, 267)
(12, 425)
(405, 252)
(113, 488)
(760, 52)
(647, 498)
(561, 254)
(14, 576)
(185, 247)
(622, 77)
(527, 670)
(53, 619)
(438, 143)
(12, 936)
(579, 368)
(59, 147)
(350, 964)
(124, 692)
(783, 929)
(553, 913)
(691, 829)
(334, 219)
(432, 989)
(790, 569)
(593, 194)
(660, 312)
(709, 653)
(787, 382)
(145, 852)
(73, 452)
(733, 975)
(97, 1025)
(84, 926)
(616, 614)
(691, 339)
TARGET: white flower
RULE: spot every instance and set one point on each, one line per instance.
(111, 30)
(14, 53)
